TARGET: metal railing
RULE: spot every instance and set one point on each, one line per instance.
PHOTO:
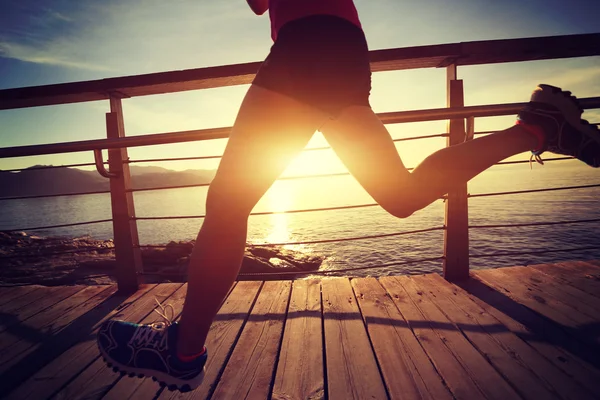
(456, 244)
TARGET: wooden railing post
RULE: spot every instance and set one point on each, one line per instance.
(127, 251)
(456, 235)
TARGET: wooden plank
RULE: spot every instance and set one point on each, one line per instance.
(250, 369)
(594, 262)
(80, 352)
(585, 267)
(125, 387)
(532, 375)
(571, 356)
(510, 367)
(27, 298)
(448, 366)
(407, 371)
(570, 277)
(490, 382)
(22, 322)
(352, 371)
(300, 369)
(146, 388)
(224, 332)
(36, 328)
(533, 298)
(9, 294)
(49, 324)
(573, 297)
(440, 55)
(96, 379)
(28, 306)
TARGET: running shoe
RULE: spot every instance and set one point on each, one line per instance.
(558, 113)
(149, 350)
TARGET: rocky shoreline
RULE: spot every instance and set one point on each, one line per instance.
(51, 261)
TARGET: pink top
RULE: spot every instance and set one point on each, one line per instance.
(283, 11)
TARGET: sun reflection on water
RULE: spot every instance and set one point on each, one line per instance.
(280, 198)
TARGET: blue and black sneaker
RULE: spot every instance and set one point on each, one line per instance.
(149, 350)
(558, 113)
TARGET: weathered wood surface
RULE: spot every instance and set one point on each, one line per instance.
(517, 332)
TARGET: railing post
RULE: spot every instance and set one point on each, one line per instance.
(127, 251)
(456, 235)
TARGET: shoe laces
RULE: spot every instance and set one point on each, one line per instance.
(154, 334)
(166, 312)
(538, 159)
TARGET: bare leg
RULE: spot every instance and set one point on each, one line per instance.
(364, 145)
(269, 131)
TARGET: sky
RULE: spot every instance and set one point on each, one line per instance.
(55, 41)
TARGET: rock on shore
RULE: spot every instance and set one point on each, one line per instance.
(30, 259)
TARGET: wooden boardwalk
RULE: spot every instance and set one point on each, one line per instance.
(510, 333)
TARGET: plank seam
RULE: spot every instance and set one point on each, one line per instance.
(325, 383)
(276, 363)
(485, 356)
(417, 339)
(233, 345)
(74, 377)
(569, 332)
(362, 317)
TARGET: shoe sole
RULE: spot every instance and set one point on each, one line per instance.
(564, 102)
(164, 380)
(569, 108)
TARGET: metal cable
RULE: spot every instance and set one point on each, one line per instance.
(263, 213)
(534, 224)
(309, 149)
(153, 246)
(57, 253)
(57, 226)
(529, 252)
(532, 191)
(441, 228)
(287, 273)
(527, 161)
(53, 195)
(331, 271)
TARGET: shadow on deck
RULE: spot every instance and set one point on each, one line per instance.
(519, 332)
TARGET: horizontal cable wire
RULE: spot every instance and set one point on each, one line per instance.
(54, 195)
(58, 253)
(309, 149)
(299, 273)
(331, 271)
(580, 221)
(264, 212)
(527, 161)
(383, 235)
(316, 176)
(529, 252)
(35, 228)
(532, 191)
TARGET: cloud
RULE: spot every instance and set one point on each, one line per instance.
(59, 16)
(47, 55)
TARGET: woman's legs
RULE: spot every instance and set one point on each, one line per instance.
(269, 131)
(364, 145)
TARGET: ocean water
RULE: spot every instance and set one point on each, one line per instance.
(340, 191)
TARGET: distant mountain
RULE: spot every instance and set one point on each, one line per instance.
(35, 181)
(138, 170)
